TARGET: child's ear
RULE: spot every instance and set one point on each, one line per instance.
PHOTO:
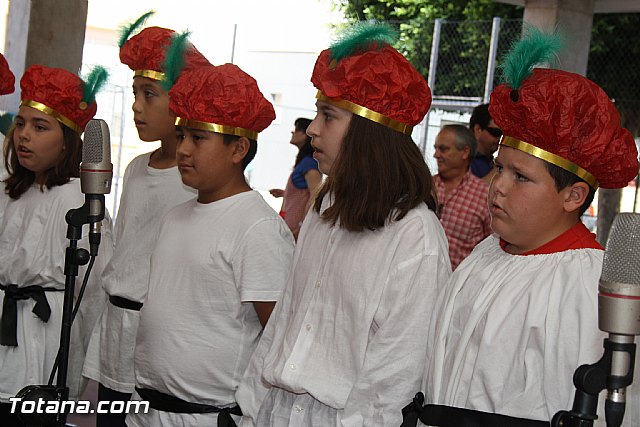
(240, 149)
(575, 196)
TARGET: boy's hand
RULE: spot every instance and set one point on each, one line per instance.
(263, 310)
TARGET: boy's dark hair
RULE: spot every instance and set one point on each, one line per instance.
(563, 178)
(21, 179)
(301, 124)
(253, 148)
(379, 175)
(480, 116)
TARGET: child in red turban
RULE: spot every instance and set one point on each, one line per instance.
(519, 315)
(346, 344)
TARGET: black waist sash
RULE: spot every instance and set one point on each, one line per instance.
(9, 321)
(125, 303)
(450, 416)
(167, 403)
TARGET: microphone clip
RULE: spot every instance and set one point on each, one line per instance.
(590, 380)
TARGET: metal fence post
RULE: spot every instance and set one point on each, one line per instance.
(491, 62)
(431, 80)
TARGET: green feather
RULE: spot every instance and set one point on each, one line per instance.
(535, 47)
(174, 59)
(94, 82)
(6, 120)
(127, 29)
(360, 37)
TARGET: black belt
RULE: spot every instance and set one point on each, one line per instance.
(450, 416)
(9, 321)
(167, 403)
(127, 304)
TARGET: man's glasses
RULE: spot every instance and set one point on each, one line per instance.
(495, 132)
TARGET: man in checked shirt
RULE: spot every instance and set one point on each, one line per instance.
(462, 197)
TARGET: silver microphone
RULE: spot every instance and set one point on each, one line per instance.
(619, 304)
(96, 172)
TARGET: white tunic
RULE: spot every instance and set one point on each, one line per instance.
(350, 329)
(198, 326)
(148, 194)
(32, 252)
(511, 330)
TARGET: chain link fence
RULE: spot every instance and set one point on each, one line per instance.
(461, 59)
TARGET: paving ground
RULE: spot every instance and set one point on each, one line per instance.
(86, 420)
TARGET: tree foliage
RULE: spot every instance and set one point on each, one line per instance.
(463, 49)
(614, 59)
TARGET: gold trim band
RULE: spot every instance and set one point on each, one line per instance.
(53, 113)
(565, 164)
(212, 127)
(155, 75)
(366, 113)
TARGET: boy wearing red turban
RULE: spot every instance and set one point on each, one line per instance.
(519, 315)
(219, 263)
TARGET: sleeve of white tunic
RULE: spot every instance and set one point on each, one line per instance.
(395, 356)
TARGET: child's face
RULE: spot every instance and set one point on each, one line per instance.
(526, 209)
(205, 162)
(328, 130)
(151, 113)
(38, 140)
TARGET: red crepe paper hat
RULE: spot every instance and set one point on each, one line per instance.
(145, 53)
(363, 74)
(7, 79)
(222, 99)
(562, 118)
(62, 94)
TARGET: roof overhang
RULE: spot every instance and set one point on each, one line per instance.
(600, 6)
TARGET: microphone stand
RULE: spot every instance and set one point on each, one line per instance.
(590, 380)
(74, 257)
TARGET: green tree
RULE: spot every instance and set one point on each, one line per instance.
(464, 43)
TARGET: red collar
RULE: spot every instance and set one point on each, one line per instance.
(577, 237)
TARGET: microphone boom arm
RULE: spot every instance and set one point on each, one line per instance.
(590, 380)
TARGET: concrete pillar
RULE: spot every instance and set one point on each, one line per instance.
(574, 18)
(43, 32)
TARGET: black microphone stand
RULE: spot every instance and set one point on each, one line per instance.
(74, 257)
(589, 381)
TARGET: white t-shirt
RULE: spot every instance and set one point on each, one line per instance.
(33, 239)
(148, 194)
(511, 330)
(350, 329)
(198, 326)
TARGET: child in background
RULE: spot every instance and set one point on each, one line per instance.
(42, 153)
(7, 82)
(152, 186)
(303, 181)
(7, 79)
(519, 315)
(219, 264)
(347, 337)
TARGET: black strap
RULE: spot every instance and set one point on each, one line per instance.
(167, 403)
(449, 416)
(125, 303)
(9, 320)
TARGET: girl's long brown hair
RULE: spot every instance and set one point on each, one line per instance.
(378, 176)
(21, 179)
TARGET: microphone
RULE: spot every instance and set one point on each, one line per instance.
(96, 172)
(619, 309)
